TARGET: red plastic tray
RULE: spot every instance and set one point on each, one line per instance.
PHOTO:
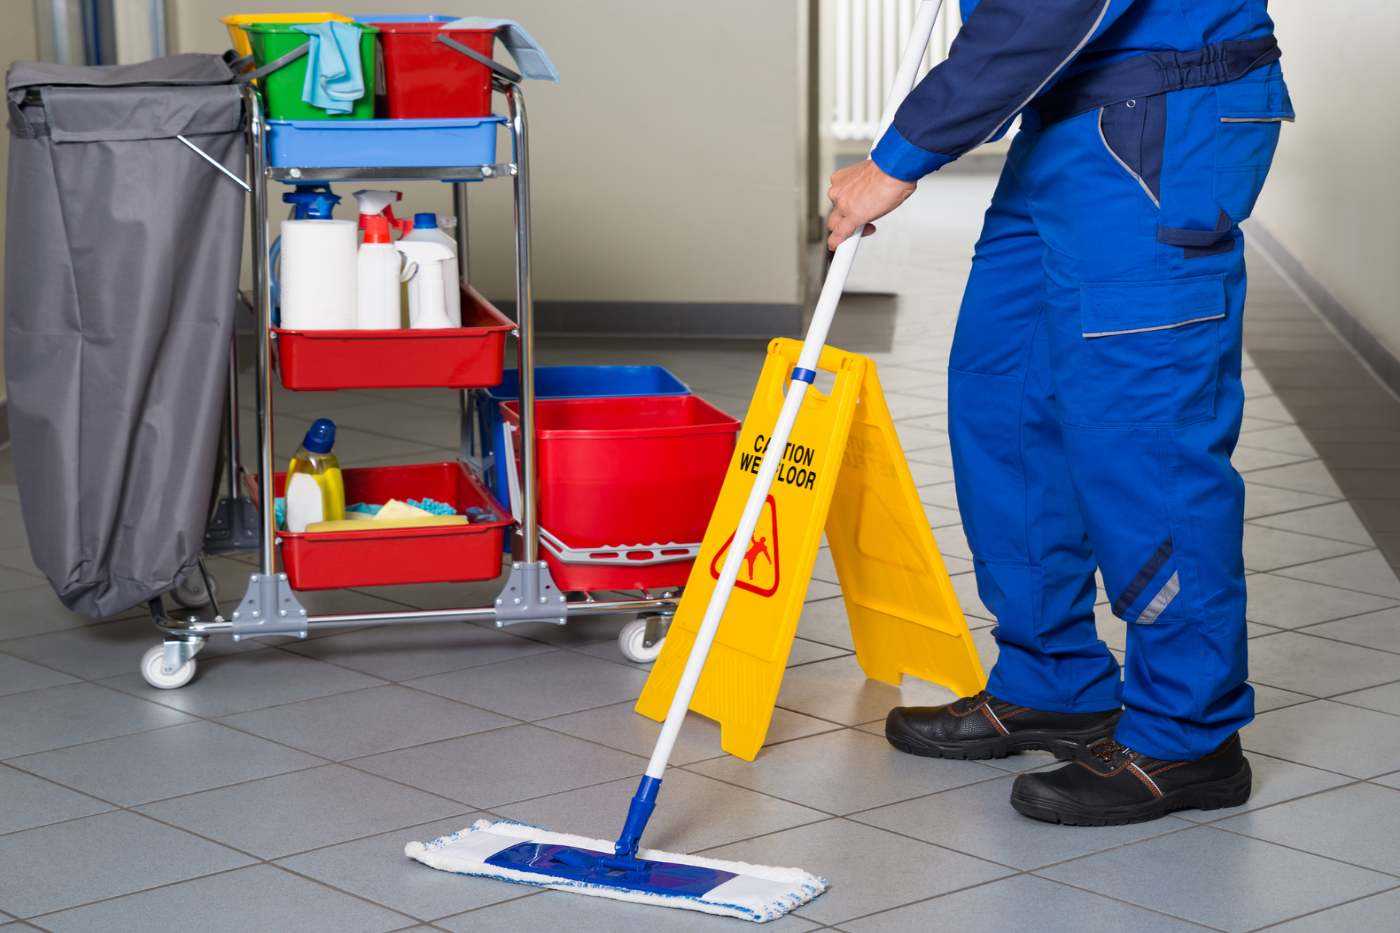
(627, 471)
(461, 553)
(467, 357)
(424, 78)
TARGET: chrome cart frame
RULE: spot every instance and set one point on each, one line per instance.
(270, 607)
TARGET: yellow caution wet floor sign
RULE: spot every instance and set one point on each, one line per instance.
(842, 472)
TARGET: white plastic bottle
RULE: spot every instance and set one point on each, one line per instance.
(427, 296)
(378, 268)
(425, 228)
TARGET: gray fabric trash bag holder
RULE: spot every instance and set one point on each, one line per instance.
(123, 250)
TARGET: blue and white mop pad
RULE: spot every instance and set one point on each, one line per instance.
(529, 56)
(510, 851)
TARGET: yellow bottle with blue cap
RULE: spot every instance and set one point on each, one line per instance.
(315, 488)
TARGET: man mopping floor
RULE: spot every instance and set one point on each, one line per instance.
(1094, 385)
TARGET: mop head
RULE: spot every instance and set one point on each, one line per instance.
(510, 851)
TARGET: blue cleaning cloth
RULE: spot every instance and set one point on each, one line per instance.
(426, 504)
(334, 79)
(529, 55)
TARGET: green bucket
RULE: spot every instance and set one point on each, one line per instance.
(282, 88)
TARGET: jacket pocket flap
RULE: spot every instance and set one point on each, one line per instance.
(1254, 101)
(1115, 308)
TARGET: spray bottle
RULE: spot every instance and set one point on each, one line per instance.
(425, 228)
(315, 488)
(313, 201)
(378, 265)
(424, 272)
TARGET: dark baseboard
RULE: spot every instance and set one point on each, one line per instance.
(698, 319)
(1384, 363)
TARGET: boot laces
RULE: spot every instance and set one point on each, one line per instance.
(1110, 751)
(965, 703)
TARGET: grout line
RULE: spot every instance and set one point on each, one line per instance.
(1283, 845)
(1313, 913)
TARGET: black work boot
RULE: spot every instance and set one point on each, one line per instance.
(1111, 784)
(982, 726)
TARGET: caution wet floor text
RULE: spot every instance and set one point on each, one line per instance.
(842, 473)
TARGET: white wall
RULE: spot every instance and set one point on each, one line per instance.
(17, 42)
(1332, 197)
(668, 164)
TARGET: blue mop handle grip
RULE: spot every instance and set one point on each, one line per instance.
(638, 812)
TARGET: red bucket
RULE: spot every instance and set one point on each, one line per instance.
(435, 554)
(619, 472)
(424, 79)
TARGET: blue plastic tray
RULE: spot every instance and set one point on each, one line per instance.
(459, 141)
(562, 382)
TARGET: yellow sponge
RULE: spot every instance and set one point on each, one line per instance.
(353, 524)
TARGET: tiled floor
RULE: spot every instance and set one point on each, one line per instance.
(277, 790)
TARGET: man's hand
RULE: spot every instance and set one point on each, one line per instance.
(859, 194)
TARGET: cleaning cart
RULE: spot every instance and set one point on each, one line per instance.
(460, 151)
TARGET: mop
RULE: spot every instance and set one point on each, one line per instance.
(511, 851)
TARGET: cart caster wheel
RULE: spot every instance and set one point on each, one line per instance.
(632, 640)
(191, 592)
(152, 668)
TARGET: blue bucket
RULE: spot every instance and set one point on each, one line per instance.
(561, 382)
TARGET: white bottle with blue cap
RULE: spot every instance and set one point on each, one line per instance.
(425, 228)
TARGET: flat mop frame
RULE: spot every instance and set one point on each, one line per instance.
(513, 852)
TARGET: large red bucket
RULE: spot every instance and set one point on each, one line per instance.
(424, 78)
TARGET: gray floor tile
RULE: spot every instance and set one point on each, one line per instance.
(95, 652)
(366, 722)
(1338, 521)
(1386, 699)
(496, 768)
(19, 558)
(826, 622)
(69, 714)
(12, 579)
(1366, 572)
(1389, 780)
(17, 676)
(1269, 407)
(619, 726)
(1288, 438)
(1024, 902)
(1358, 824)
(375, 868)
(807, 652)
(540, 687)
(1267, 698)
(1275, 781)
(1377, 912)
(940, 518)
(869, 869)
(929, 474)
(820, 589)
(1328, 735)
(838, 691)
(1219, 879)
(259, 897)
(35, 610)
(842, 772)
(81, 861)
(1373, 630)
(1270, 548)
(1285, 602)
(1318, 666)
(979, 820)
(137, 769)
(1261, 500)
(27, 801)
(943, 495)
(553, 910)
(249, 680)
(291, 813)
(694, 812)
(402, 652)
(1310, 476)
(1247, 458)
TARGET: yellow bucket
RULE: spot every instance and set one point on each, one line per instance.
(235, 22)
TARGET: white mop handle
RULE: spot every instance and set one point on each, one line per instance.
(773, 454)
